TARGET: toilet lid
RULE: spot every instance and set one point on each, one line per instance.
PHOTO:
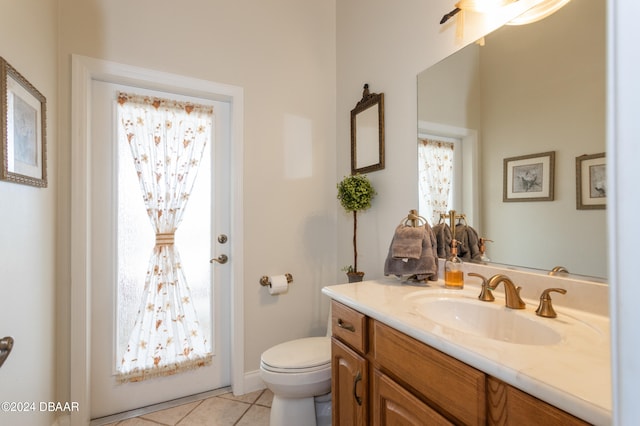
(299, 354)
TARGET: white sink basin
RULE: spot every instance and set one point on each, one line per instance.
(490, 320)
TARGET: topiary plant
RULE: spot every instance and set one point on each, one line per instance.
(355, 193)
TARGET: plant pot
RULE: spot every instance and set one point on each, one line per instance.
(355, 277)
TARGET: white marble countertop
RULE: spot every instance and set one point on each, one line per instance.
(573, 374)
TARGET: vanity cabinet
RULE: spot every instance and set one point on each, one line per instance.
(349, 367)
(383, 376)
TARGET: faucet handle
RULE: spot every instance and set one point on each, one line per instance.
(545, 309)
(485, 294)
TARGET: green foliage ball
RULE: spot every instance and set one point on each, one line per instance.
(355, 192)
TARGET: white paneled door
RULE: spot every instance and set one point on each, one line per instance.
(121, 241)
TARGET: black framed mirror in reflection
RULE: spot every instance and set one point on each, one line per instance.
(529, 89)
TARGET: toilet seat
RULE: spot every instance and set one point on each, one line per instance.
(297, 372)
(298, 356)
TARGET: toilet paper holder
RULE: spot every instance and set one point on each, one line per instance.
(264, 281)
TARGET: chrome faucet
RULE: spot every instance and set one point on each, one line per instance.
(511, 292)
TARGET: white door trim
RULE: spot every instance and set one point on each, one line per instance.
(84, 71)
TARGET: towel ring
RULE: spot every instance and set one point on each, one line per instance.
(453, 216)
(414, 218)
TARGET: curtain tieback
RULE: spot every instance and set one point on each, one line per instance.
(165, 239)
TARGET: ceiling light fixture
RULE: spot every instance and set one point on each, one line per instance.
(479, 6)
(538, 12)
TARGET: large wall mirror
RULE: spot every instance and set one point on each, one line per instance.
(367, 133)
(529, 89)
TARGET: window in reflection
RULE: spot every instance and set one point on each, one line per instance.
(436, 174)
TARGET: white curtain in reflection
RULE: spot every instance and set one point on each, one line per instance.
(435, 175)
(167, 139)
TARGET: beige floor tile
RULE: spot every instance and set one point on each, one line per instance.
(249, 398)
(266, 398)
(171, 416)
(215, 411)
(137, 421)
(256, 416)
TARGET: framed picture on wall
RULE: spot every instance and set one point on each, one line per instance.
(529, 177)
(591, 182)
(23, 122)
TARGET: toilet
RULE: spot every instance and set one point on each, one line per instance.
(298, 372)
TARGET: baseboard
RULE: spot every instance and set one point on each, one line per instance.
(252, 382)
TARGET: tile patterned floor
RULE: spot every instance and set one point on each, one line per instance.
(252, 409)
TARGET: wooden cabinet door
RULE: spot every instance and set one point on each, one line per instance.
(450, 386)
(391, 404)
(510, 406)
(349, 386)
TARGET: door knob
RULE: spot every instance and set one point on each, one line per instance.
(6, 344)
(223, 258)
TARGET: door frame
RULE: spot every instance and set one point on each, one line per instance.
(84, 71)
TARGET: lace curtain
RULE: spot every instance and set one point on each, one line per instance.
(167, 139)
(435, 171)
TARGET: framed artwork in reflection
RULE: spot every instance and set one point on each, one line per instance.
(529, 177)
(591, 182)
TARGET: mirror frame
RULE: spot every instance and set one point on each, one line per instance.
(369, 100)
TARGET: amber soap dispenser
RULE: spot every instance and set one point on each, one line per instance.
(453, 275)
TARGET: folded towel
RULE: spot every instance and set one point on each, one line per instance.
(425, 267)
(407, 242)
(468, 242)
(443, 238)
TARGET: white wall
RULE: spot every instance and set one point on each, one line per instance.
(385, 45)
(28, 41)
(282, 53)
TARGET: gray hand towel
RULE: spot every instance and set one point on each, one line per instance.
(407, 242)
(443, 238)
(468, 242)
(425, 267)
